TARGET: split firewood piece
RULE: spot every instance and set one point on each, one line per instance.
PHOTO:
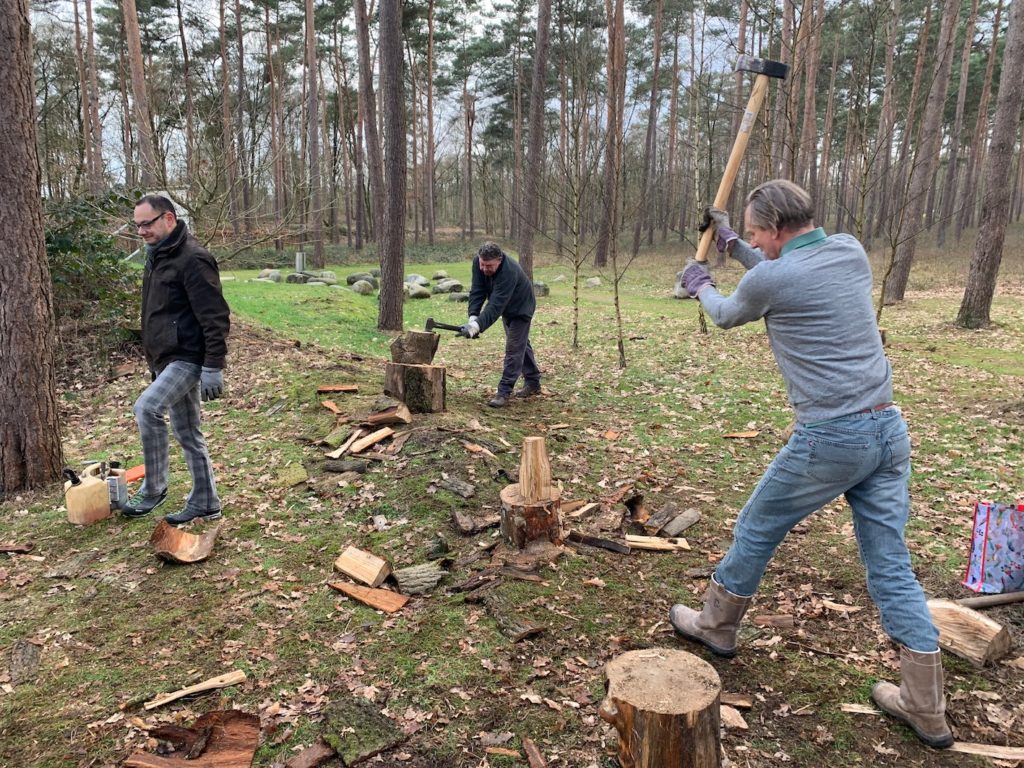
(358, 730)
(659, 519)
(469, 523)
(135, 473)
(331, 406)
(656, 543)
(363, 566)
(860, 709)
(594, 541)
(340, 450)
(781, 621)
(989, 601)
(732, 718)
(580, 511)
(737, 700)
(417, 347)
(174, 545)
(371, 439)
(513, 627)
(664, 705)
(531, 508)
(324, 389)
(456, 486)
(397, 442)
(220, 681)
(312, 757)
(535, 471)
(396, 414)
(533, 755)
(221, 739)
(988, 750)
(381, 599)
(419, 579)
(15, 548)
(969, 634)
(680, 523)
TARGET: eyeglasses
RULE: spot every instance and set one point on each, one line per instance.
(140, 225)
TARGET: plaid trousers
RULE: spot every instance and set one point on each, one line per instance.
(176, 391)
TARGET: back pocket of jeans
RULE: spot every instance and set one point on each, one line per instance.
(899, 451)
(832, 462)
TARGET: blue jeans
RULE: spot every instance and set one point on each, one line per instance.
(865, 456)
(175, 391)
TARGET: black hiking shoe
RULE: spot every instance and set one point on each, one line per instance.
(528, 390)
(141, 505)
(187, 515)
(498, 401)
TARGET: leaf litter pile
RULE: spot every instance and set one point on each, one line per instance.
(445, 648)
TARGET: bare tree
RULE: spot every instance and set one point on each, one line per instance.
(140, 97)
(613, 140)
(30, 449)
(995, 212)
(391, 238)
(368, 110)
(316, 218)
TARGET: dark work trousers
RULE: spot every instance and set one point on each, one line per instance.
(519, 359)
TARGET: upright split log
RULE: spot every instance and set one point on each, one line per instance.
(665, 706)
(421, 387)
(531, 510)
(415, 347)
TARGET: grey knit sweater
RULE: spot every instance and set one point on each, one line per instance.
(816, 303)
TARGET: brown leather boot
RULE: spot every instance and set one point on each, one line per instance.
(716, 626)
(918, 701)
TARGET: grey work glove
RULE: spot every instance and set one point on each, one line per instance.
(471, 329)
(696, 277)
(211, 383)
(719, 219)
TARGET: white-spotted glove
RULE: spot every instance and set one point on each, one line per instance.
(211, 383)
(471, 329)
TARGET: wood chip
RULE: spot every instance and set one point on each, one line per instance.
(860, 709)
(988, 750)
(732, 718)
(741, 435)
(381, 599)
(324, 389)
(656, 544)
(331, 406)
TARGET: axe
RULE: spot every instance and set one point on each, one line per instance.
(432, 324)
(764, 69)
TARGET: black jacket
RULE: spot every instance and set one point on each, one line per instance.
(184, 315)
(509, 293)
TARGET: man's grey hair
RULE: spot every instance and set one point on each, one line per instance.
(490, 252)
(780, 204)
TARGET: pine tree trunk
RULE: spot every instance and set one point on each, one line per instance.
(316, 216)
(97, 183)
(644, 213)
(371, 137)
(240, 105)
(780, 120)
(85, 163)
(186, 78)
(822, 187)
(140, 97)
(392, 226)
(673, 180)
(428, 158)
(276, 155)
(30, 439)
(616, 69)
(230, 168)
(881, 185)
(988, 249)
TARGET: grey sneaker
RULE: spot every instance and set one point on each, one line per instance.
(187, 515)
(498, 401)
(528, 390)
(141, 505)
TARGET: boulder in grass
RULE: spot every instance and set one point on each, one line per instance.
(558, 279)
(593, 282)
(414, 291)
(266, 272)
(679, 291)
(439, 275)
(297, 277)
(540, 288)
(325, 277)
(448, 285)
(362, 287)
(357, 276)
(417, 279)
(458, 296)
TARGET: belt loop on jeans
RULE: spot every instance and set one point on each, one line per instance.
(879, 407)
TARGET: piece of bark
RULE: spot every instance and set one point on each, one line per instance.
(664, 704)
(312, 757)
(990, 601)
(357, 730)
(177, 546)
(610, 518)
(731, 718)
(363, 566)
(638, 513)
(738, 700)
(468, 523)
(533, 755)
(969, 634)
(522, 574)
(324, 389)
(512, 626)
(396, 414)
(416, 347)
(331, 406)
(419, 579)
(371, 439)
(456, 486)
(15, 548)
(535, 472)
(24, 663)
(232, 741)
(220, 681)
(659, 519)
(421, 387)
(380, 599)
(580, 511)
(397, 441)
(523, 521)
(656, 543)
(349, 465)
(594, 541)
(73, 567)
(782, 621)
(680, 523)
(489, 576)
(573, 505)
(479, 593)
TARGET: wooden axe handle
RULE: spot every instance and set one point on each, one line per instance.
(739, 147)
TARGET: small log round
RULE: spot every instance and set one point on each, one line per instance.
(525, 521)
(415, 347)
(664, 704)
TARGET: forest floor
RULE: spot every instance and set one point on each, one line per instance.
(115, 626)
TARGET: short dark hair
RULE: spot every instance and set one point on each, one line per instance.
(780, 204)
(158, 203)
(490, 252)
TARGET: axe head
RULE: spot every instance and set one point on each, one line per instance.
(762, 67)
(430, 324)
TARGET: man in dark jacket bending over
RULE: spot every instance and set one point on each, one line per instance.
(501, 282)
(185, 323)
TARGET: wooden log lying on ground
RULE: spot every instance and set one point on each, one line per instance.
(396, 414)
(421, 387)
(220, 681)
(419, 579)
(969, 634)
(664, 704)
(363, 566)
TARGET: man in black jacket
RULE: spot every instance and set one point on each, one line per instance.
(185, 324)
(501, 282)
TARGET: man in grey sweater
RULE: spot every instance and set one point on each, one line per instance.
(500, 282)
(814, 294)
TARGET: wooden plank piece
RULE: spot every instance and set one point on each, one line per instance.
(656, 543)
(340, 450)
(738, 700)
(363, 566)
(381, 599)
(331, 406)
(988, 750)
(324, 389)
(371, 439)
(220, 681)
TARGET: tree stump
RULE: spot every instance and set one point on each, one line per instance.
(421, 387)
(415, 347)
(664, 704)
(531, 510)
